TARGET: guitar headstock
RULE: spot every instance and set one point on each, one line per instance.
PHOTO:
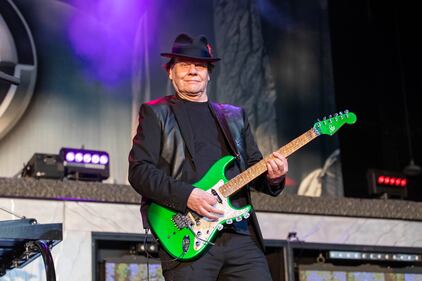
(330, 125)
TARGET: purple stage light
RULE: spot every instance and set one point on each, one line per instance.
(86, 164)
(87, 158)
(102, 32)
(70, 156)
(103, 159)
(95, 159)
(79, 157)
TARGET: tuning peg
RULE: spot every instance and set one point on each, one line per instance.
(331, 120)
(336, 116)
(346, 112)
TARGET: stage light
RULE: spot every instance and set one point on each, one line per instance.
(95, 158)
(146, 248)
(44, 166)
(85, 164)
(104, 159)
(345, 255)
(78, 157)
(87, 158)
(70, 156)
(387, 184)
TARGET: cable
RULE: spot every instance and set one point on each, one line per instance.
(146, 250)
(13, 214)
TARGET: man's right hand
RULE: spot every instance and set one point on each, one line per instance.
(203, 203)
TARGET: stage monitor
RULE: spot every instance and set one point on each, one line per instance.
(131, 268)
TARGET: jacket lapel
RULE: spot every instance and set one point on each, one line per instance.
(222, 122)
(182, 119)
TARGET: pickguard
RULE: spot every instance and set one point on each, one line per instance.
(204, 228)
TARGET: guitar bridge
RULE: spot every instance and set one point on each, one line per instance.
(182, 221)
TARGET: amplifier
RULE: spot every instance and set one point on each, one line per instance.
(42, 165)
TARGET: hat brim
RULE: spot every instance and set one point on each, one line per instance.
(173, 55)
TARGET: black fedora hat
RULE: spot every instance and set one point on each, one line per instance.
(185, 46)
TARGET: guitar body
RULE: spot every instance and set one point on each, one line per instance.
(185, 236)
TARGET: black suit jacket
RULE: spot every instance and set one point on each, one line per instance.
(162, 158)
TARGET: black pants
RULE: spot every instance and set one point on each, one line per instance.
(234, 257)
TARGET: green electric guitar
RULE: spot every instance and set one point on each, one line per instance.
(187, 236)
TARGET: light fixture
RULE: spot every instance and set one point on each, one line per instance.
(147, 248)
(85, 164)
(347, 255)
(387, 184)
(44, 166)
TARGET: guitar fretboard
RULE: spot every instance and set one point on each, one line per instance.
(260, 167)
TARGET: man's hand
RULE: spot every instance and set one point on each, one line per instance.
(277, 168)
(203, 203)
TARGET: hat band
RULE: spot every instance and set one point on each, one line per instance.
(191, 52)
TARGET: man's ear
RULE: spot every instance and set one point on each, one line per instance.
(171, 74)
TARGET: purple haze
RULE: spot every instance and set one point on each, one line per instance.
(102, 34)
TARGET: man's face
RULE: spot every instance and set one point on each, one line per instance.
(190, 77)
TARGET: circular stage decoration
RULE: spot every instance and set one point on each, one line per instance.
(18, 66)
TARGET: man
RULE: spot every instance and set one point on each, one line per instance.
(178, 139)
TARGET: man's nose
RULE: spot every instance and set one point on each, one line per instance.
(192, 68)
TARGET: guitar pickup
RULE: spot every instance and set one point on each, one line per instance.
(216, 196)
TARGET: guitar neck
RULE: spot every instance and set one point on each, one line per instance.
(260, 167)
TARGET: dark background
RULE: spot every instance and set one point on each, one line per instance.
(376, 59)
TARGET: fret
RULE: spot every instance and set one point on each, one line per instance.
(259, 168)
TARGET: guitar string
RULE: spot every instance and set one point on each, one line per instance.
(257, 169)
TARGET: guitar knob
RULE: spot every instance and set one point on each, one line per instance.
(198, 243)
(220, 227)
(229, 221)
(199, 233)
(239, 218)
(246, 215)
